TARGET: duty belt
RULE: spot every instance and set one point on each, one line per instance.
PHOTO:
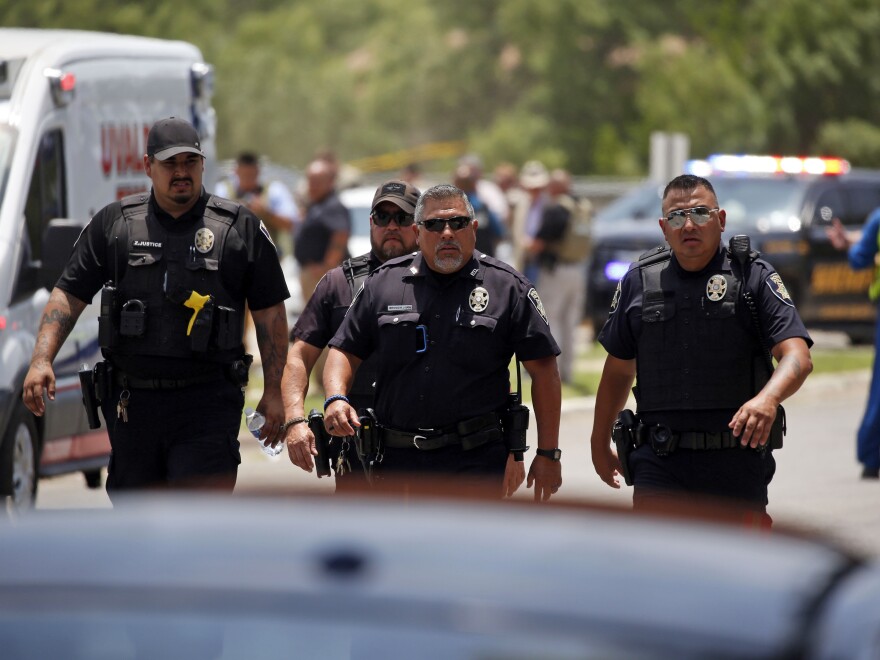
(663, 440)
(128, 381)
(470, 434)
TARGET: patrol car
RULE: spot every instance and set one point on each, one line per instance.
(784, 204)
(75, 110)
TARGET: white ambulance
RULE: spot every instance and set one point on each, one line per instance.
(75, 110)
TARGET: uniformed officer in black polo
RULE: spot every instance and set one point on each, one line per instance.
(177, 266)
(445, 323)
(692, 325)
(391, 235)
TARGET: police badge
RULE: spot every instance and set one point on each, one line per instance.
(204, 240)
(479, 299)
(716, 287)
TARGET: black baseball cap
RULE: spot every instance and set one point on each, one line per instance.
(173, 136)
(403, 194)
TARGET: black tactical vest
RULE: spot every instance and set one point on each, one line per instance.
(694, 352)
(165, 270)
(362, 392)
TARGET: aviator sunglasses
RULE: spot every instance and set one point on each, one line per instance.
(699, 215)
(383, 218)
(439, 224)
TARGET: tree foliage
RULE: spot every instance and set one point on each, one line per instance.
(577, 83)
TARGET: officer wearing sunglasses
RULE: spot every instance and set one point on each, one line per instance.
(445, 323)
(391, 235)
(697, 327)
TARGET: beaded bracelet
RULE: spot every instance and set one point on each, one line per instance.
(293, 422)
(335, 397)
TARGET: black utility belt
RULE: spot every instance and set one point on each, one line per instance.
(470, 434)
(664, 440)
(128, 381)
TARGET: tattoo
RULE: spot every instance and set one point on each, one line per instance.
(49, 337)
(272, 341)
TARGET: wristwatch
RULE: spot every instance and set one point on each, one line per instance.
(552, 454)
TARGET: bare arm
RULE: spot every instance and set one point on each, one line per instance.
(59, 317)
(271, 327)
(301, 359)
(336, 250)
(545, 473)
(614, 387)
(340, 418)
(754, 420)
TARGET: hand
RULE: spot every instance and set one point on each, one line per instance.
(40, 379)
(340, 419)
(837, 235)
(753, 422)
(546, 475)
(301, 446)
(514, 475)
(273, 410)
(607, 464)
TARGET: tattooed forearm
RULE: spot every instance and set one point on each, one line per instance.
(59, 317)
(271, 328)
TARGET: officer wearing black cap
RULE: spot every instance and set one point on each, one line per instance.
(391, 219)
(694, 325)
(445, 323)
(175, 268)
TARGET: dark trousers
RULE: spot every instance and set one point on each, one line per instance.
(481, 466)
(737, 477)
(181, 438)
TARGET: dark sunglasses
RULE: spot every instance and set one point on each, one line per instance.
(699, 215)
(439, 224)
(383, 218)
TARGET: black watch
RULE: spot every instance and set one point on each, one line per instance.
(552, 454)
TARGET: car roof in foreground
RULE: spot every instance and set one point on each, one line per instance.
(586, 578)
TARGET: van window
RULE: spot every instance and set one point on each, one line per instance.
(830, 204)
(863, 199)
(47, 196)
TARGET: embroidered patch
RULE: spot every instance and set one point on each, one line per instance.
(774, 281)
(615, 301)
(716, 287)
(479, 299)
(204, 240)
(536, 301)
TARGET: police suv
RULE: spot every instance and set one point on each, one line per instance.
(75, 110)
(784, 204)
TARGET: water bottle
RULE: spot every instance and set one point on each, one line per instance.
(254, 421)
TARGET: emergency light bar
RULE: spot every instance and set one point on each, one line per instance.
(753, 164)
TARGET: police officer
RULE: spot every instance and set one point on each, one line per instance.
(692, 324)
(177, 267)
(445, 323)
(391, 219)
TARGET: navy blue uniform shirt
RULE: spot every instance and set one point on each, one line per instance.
(444, 342)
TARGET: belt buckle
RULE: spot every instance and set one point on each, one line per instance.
(416, 439)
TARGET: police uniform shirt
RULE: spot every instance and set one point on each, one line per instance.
(322, 220)
(250, 269)
(778, 317)
(444, 342)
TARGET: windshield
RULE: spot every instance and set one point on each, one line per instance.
(753, 204)
(7, 145)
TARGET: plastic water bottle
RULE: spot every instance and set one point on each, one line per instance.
(254, 421)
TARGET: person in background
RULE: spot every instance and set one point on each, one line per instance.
(863, 248)
(527, 216)
(490, 231)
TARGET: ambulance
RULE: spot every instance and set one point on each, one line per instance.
(75, 110)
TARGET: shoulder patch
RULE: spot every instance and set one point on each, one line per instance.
(615, 301)
(539, 306)
(774, 281)
(265, 231)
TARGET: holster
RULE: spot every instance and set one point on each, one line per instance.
(778, 429)
(238, 371)
(622, 433)
(322, 442)
(367, 438)
(515, 425)
(89, 396)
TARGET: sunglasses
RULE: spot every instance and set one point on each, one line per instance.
(439, 224)
(699, 215)
(383, 218)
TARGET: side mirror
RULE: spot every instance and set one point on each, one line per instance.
(58, 240)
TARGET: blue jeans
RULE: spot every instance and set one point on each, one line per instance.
(868, 438)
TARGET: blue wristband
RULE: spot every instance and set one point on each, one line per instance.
(335, 397)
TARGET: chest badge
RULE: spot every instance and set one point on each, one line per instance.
(204, 240)
(716, 287)
(479, 299)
